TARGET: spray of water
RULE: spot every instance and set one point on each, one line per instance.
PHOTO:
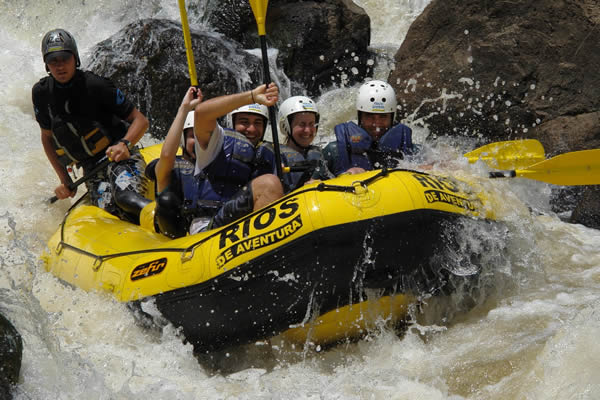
(529, 330)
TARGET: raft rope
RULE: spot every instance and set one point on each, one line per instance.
(188, 252)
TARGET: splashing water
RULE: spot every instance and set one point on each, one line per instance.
(531, 333)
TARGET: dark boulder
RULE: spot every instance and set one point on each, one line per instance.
(321, 43)
(500, 69)
(11, 351)
(147, 60)
(504, 70)
(570, 133)
(587, 209)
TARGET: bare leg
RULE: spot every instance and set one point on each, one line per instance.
(262, 191)
(266, 189)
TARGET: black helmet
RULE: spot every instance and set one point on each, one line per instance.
(59, 40)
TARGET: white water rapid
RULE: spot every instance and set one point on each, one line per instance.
(535, 336)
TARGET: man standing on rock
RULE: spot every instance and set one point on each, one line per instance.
(85, 118)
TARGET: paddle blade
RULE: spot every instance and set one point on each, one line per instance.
(510, 154)
(568, 169)
(259, 8)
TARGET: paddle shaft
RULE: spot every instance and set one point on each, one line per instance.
(73, 185)
(272, 116)
(188, 43)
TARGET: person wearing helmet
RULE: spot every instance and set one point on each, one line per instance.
(226, 159)
(173, 174)
(375, 142)
(221, 185)
(84, 118)
(188, 141)
(298, 121)
(251, 121)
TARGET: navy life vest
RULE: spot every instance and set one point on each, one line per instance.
(264, 162)
(356, 148)
(205, 192)
(79, 139)
(311, 160)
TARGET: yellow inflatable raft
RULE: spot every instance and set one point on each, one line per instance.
(322, 263)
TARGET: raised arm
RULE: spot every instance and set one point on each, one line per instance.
(165, 164)
(206, 113)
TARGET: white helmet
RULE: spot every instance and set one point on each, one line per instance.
(293, 105)
(252, 109)
(376, 97)
(189, 123)
(189, 120)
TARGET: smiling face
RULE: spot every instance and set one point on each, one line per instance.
(250, 125)
(304, 129)
(62, 66)
(376, 124)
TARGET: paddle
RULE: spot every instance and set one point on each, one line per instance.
(259, 9)
(510, 154)
(102, 165)
(568, 169)
(188, 43)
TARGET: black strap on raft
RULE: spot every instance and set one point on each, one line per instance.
(322, 187)
(101, 258)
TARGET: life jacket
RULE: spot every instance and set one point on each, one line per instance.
(204, 193)
(356, 148)
(264, 162)
(310, 160)
(78, 138)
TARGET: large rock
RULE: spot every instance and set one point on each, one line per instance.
(570, 132)
(11, 352)
(587, 210)
(147, 60)
(501, 70)
(320, 43)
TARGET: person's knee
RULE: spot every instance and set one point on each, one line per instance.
(266, 189)
(268, 183)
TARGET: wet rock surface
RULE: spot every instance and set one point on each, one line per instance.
(11, 352)
(320, 43)
(147, 60)
(506, 70)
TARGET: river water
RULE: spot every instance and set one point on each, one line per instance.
(533, 336)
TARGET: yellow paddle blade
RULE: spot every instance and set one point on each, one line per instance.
(153, 152)
(510, 154)
(568, 169)
(259, 8)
